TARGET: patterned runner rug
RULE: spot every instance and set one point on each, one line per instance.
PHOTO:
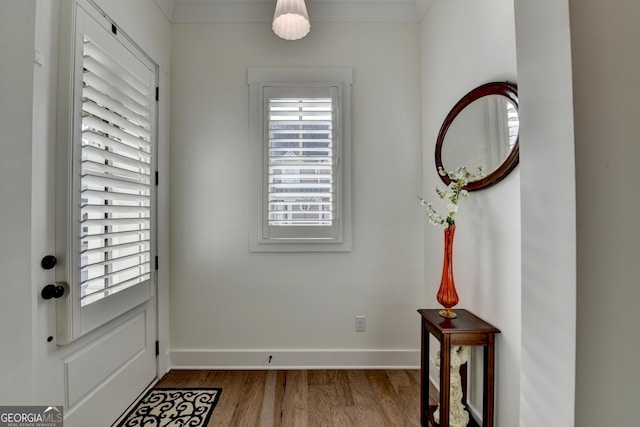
(173, 407)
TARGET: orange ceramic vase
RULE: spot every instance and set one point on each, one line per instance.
(447, 295)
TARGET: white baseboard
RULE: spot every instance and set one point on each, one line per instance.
(295, 359)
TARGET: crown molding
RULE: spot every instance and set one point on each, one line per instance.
(183, 12)
(166, 6)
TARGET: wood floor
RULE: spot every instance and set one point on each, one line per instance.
(309, 398)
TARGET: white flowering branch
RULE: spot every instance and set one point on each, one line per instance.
(454, 192)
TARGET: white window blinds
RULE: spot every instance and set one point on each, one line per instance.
(116, 176)
(301, 161)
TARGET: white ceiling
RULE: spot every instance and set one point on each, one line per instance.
(189, 11)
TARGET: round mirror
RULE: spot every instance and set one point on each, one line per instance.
(481, 130)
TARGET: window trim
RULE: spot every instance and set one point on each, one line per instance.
(258, 78)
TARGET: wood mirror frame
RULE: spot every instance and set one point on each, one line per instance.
(509, 91)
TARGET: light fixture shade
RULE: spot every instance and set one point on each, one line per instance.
(290, 20)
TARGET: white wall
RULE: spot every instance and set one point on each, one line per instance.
(606, 66)
(466, 44)
(548, 214)
(17, 21)
(227, 303)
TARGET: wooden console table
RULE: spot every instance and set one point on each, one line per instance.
(466, 329)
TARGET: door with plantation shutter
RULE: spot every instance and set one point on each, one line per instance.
(105, 218)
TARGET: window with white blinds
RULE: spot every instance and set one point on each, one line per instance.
(300, 128)
(301, 161)
(116, 176)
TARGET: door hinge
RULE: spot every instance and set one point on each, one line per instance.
(157, 262)
(157, 177)
(157, 93)
(157, 348)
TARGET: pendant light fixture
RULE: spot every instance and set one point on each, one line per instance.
(290, 20)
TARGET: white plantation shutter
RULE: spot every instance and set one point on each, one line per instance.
(301, 161)
(301, 158)
(116, 176)
(299, 125)
(105, 172)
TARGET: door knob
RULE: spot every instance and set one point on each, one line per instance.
(48, 262)
(52, 291)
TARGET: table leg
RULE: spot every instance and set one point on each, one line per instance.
(489, 370)
(445, 379)
(424, 376)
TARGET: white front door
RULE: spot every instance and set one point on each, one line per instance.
(96, 340)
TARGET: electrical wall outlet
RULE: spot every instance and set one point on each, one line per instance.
(360, 323)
